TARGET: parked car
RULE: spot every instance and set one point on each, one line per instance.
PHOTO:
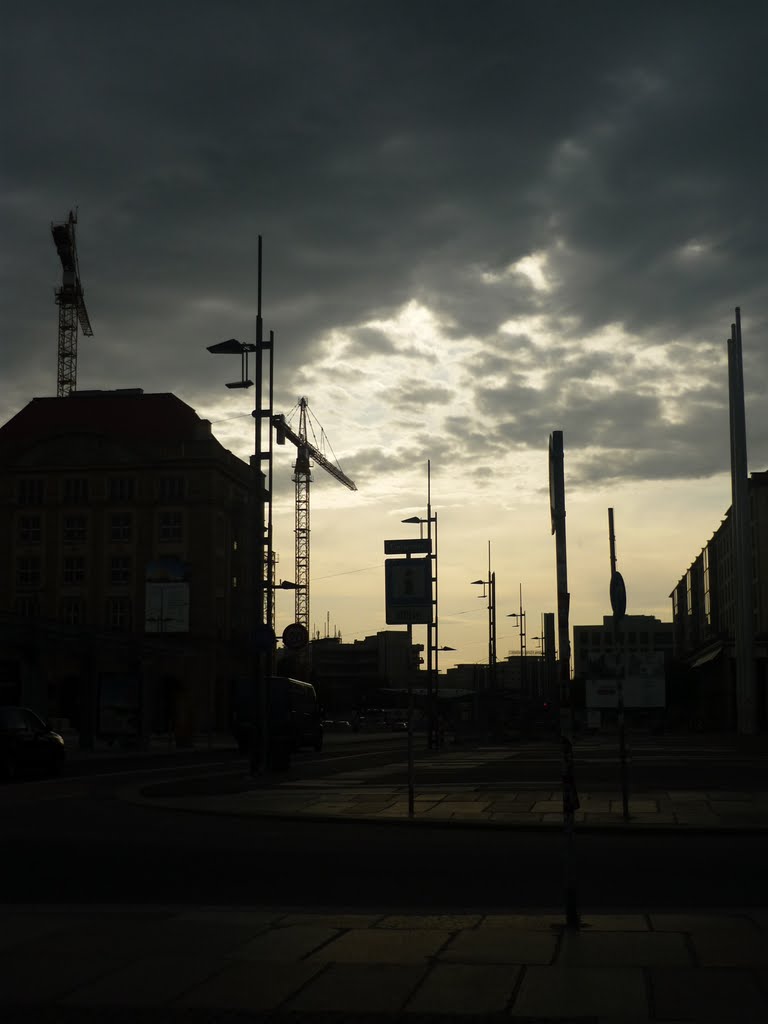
(28, 746)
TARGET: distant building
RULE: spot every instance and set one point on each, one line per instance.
(350, 675)
(639, 653)
(123, 564)
(704, 617)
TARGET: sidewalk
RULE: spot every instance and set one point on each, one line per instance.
(206, 964)
(357, 795)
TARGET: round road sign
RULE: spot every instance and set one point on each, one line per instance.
(295, 636)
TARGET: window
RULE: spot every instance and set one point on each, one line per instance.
(170, 525)
(121, 488)
(29, 530)
(26, 606)
(171, 488)
(74, 570)
(73, 611)
(707, 587)
(121, 526)
(28, 572)
(74, 529)
(118, 613)
(76, 489)
(120, 570)
(30, 492)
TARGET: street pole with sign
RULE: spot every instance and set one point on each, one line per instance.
(408, 595)
(618, 593)
(570, 796)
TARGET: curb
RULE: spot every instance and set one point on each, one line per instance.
(136, 797)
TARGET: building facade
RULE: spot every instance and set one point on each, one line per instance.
(704, 617)
(124, 564)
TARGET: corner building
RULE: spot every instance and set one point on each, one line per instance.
(123, 588)
(704, 619)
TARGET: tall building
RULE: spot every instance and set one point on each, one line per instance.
(123, 564)
(704, 616)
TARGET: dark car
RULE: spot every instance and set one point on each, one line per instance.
(28, 746)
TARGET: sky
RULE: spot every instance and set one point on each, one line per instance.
(482, 221)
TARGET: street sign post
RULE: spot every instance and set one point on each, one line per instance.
(408, 546)
(408, 591)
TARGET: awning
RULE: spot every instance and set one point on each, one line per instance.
(709, 656)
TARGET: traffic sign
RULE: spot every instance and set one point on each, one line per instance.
(295, 636)
(618, 596)
(409, 546)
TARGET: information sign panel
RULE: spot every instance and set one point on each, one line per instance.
(408, 589)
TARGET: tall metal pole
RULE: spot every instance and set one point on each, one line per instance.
(746, 704)
(617, 600)
(570, 796)
(259, 751)
(431, 730)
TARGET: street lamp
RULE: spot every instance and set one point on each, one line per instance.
(261, 635)
(520, 616)
(491, 584)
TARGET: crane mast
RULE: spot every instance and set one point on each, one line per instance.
(302, 477)
(71, 302)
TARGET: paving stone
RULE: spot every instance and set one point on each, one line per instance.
(23, 981)
(730, 947)
(255, 919)
(547, 806)
(285, 944)
(707, 922)
(571, 992)
(358, 988)
(635, 806)
(340, 921)
(622, 949)
(524, 922)
(470, 807)
(383, 946)
(18, 929)
(615, 922)
(707, 994)
(443, 922)
(135, 938)
(147, 982)
(462, 988)
(501, 946)
(246, 986)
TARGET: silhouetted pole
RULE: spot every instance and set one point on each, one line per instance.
(619, 606)
(570, 796)
(746, 711)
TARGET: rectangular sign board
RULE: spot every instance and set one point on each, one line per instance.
(408, 590)
(412, 546)
(643, 687)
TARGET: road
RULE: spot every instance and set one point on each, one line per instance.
(74, 840)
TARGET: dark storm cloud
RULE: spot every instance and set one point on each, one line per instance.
(386, 152)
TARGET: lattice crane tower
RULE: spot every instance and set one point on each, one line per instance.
(302, 477)
(71, 302)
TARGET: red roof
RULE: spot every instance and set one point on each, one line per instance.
(126, 415)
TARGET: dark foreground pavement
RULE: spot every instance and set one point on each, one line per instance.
(62, 964)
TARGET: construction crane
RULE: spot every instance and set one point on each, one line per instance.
(302, 477)
(71, 302)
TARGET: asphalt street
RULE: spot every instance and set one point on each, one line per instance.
(75, 840)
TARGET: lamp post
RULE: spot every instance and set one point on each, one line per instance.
(433, 739)
(261, 636)
(490, 583)
(520, 616)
